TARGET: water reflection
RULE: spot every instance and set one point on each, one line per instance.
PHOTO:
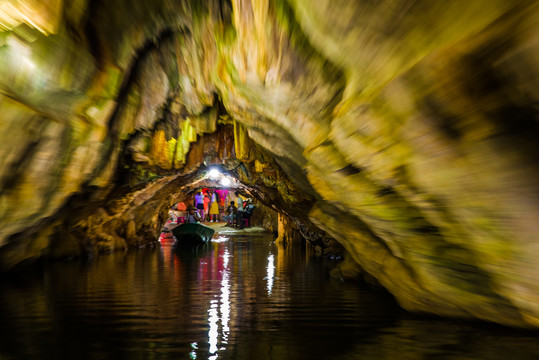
(214, 327)
(225, 298)
(219, 309)
(271, 271)
(240, 298)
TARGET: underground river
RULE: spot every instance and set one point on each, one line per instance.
(244, 297)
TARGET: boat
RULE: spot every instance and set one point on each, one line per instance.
(191, 235)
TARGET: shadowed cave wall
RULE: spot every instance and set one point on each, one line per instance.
(406, 131)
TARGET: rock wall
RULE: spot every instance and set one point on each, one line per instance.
(405, 130)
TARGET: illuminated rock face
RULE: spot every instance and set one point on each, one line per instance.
(405, 130)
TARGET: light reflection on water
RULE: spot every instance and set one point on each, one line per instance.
(241, 298)
(271, 271)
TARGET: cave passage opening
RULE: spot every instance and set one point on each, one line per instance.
(221, 183)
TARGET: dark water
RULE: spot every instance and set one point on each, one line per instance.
(242, 298)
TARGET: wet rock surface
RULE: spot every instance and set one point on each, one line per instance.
(402, 135)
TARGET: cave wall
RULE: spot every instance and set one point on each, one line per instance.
(405, 130)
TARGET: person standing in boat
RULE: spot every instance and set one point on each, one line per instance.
(207, 202)
(214, 207)
(199, 203)
(192, 215)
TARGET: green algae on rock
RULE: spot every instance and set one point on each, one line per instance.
(406, 131)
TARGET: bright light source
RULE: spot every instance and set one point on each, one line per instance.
(225, 181)
(28, 63)
(20, 54)
(214, 174)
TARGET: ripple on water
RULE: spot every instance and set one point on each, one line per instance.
(241, 298)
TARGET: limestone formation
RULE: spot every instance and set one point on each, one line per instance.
(404, 130)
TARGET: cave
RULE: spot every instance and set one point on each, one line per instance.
(399, 135)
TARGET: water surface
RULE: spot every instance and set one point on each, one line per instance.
(241, 298)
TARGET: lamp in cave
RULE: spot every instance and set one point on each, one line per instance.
(225, 181)
(214, 174)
